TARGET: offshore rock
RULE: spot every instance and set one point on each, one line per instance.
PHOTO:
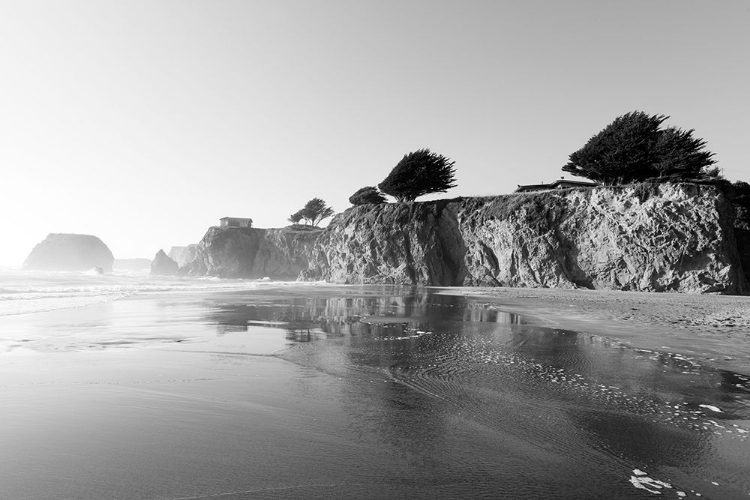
(239, 252)
(666, 237)
(70, 252)
(162, 265)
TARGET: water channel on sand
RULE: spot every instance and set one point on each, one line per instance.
(355, 392)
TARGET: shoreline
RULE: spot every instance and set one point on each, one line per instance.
(720, 321)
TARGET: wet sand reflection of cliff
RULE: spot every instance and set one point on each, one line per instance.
(411, 363)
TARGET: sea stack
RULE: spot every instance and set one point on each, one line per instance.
(70, 252)
(162, 265)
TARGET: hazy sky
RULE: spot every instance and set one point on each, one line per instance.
(144, 122)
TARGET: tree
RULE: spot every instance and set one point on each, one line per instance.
(419, 173)
(314, 211)
(365, 195)
(681, 156)
(635, 148)
(296, 217)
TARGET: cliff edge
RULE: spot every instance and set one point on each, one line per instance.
(665, 237)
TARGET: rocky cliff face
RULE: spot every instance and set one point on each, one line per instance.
(70, 252)
(183, 255)
(234, 252)
(652, 238)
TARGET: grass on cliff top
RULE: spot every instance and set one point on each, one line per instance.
(305, 228)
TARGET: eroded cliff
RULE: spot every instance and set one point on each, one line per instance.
(235, 252)
(652, 238)
(183, 255)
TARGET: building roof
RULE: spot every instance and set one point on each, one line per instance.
(235, 218)
(558, 184)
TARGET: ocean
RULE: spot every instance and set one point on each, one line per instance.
(23, 292)
(133, 387)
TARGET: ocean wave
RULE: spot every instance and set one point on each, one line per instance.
(23, 292)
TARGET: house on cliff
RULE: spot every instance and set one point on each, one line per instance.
(558, 184)
(235, 222)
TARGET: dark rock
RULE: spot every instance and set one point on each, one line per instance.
(680, 239)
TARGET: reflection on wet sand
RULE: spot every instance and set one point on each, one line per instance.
(443, 378)
(355, 392)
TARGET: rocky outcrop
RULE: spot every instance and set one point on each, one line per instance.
(70, 252)
(183, 255)
(238, 252)
(162, 265)
(742, 235)
(653, 238)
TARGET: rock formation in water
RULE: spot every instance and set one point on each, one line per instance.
(70, 252)
(239, 252)
(162, 265)
(183, 255)
(669, 237)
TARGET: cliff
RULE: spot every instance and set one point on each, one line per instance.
(650, 237)
(70, 252)
(236, 252)
(183, 255)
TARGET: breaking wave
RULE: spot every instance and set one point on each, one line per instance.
(24, 292)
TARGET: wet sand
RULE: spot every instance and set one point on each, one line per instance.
(718, 325)
(349, 392)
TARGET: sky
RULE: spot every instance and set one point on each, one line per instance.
(145, 121)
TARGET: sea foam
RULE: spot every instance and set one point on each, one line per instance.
(25, 292)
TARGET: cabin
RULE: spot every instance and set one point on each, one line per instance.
(235, 222)
(558, 184)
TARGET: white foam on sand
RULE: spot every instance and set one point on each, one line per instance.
(643, 482)
(25, 292)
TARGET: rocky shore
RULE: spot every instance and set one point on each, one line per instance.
(657, 238)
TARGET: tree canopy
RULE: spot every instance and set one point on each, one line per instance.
(296, 217)
(366, 195)
(419, 173)
(635, 148)
(313, 212)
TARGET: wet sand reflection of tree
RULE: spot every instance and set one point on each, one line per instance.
(389, 387)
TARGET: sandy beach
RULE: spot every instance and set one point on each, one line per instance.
(712, 326)
(324, 391)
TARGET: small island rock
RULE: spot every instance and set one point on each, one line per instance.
(70, 252)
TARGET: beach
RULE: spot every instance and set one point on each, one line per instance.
(278, 390)
(716, 327)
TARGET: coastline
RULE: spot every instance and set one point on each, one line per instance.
(642, 319)
(281, 387)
